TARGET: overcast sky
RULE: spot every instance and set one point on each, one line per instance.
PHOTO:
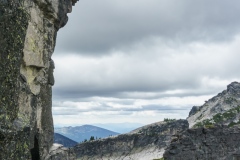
(141, 61)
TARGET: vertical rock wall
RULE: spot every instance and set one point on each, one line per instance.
(28, 31)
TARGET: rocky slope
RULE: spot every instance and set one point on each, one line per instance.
(28, 30)
(221, 109)
(145, 143)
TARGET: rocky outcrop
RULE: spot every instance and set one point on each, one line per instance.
(215, 110)
(28, 31)
(144, 143)
(217, 143)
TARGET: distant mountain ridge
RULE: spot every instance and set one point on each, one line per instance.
(119, 127)
(66, 142)
(80, 133)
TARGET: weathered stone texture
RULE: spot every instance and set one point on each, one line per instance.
(28, 31)
(218, 143)
(145, 143)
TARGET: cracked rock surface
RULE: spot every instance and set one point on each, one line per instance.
(217, 143)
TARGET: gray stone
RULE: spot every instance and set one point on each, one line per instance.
(219, 142)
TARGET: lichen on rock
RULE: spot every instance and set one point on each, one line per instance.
(28, 30)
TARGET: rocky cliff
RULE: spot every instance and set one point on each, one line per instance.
(28, 30)
(145, 143)
(216, 143)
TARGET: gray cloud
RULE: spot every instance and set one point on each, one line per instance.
(126, 60)
(192, 69)
(76, 108)
(97, 27)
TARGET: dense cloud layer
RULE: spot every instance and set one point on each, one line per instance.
(160, 69)
(96, 27)
(124, 58)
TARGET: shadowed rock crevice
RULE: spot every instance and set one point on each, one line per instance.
(35, 151)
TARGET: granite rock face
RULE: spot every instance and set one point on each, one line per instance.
(28, 30)
(144, 143)
(217, 143)
(228, 100)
